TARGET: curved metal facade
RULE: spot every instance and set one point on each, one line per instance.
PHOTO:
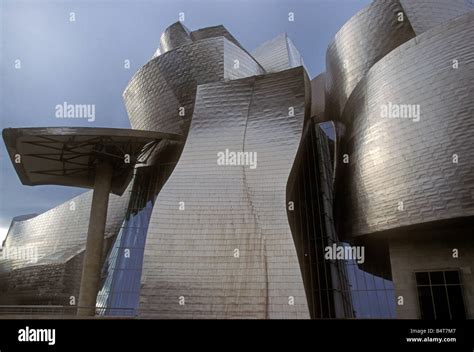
(206, 212)
(208, 223)
(361, 42)
(174, 36)
(190, 253)
(37, 252)
(373, 33)
(427, 14)
(401, 160)
(62, 228)
(156, 93)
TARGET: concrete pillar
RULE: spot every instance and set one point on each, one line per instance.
(95, 240)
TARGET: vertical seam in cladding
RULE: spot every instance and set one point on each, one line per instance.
(243, 150)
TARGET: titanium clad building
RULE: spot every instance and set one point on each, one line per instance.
(404, 111)
(275, 196)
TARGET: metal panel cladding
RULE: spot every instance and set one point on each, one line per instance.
(174, 36)
(415, 168)
(318, 97)
(219, 244)
(362, 41)
(374, 32)
(427, 14)
(61, 229)
(52, 240)
(278, 54)
(160, 96)
(213, 32)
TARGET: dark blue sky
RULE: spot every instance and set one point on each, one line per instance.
(82, 62)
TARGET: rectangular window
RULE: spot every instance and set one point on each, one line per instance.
(440, 294)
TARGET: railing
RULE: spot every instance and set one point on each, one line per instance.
(56, 310)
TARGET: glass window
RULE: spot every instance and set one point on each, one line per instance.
(452, 277)
(422, 278)
(440, 294)
(426, 302)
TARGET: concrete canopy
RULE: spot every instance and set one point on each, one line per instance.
(67, 155)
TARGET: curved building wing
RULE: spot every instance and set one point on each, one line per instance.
(219, 244)
(373, 33)
(160, 97)
(174, 36)
(361, 42)
(245, 219)
(37, 250)
(412, 115)
(427, 14)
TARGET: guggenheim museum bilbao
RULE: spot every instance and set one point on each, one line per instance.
(246, 189)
